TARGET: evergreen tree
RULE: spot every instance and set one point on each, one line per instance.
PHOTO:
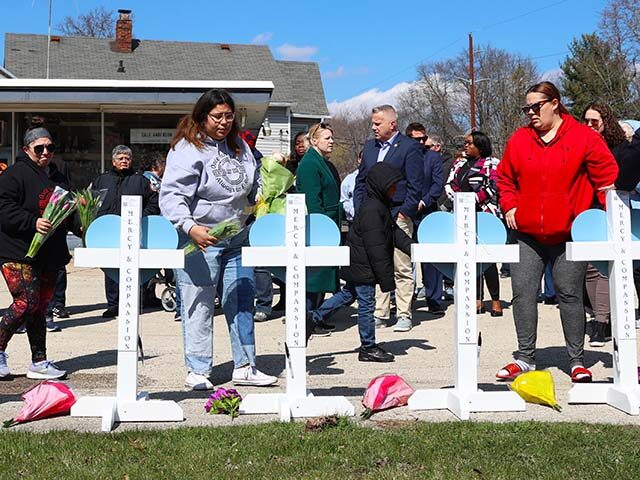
(595, 71)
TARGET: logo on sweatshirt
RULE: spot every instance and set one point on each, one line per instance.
(230, 173)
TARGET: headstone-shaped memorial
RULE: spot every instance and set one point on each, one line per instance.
(457, 245)
(128, 244)
(611, 241)
(296, 242)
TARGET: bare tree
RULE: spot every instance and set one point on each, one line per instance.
(440, 97)
(98, 22)
(351, 130)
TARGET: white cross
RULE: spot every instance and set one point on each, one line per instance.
(619, 251)
(128, 405)
(295, 256)
(465, 397)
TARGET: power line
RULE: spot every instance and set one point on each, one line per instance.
(449, 45)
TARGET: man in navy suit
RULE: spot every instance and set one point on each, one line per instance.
(390, 146)
(432, 187)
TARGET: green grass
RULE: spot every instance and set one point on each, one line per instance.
(459, 450)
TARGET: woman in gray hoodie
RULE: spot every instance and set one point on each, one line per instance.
(211, 177)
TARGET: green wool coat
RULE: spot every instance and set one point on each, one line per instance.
(319, 181)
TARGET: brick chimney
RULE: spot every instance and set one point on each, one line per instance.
(124, 30)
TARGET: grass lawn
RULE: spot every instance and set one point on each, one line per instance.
(459, 450)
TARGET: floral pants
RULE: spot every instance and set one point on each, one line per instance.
(32, 290)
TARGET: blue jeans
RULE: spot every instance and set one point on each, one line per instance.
(202, 273)
(432, 280)
(59, 293)
(264, 291)
(366, 296)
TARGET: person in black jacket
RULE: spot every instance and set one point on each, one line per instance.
(371, 239)
(25, 188)
(122, 180)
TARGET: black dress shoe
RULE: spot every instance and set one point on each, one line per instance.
(326, 326)
(374, 354)
(110, 313)
(435, 307)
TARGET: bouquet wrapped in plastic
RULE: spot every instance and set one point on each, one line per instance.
(224, 401)
(536, 387)
(275, 182)
(385, 391)
(223, 230)
(61, 205)
(89, 202)
(46, 399)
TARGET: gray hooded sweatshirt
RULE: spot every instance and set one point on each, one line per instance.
(207, 186)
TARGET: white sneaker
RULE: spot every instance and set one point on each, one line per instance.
(252, 376)
(404, 324)
(260, 317)
(4, 369)
(195, 381)
(45, 370)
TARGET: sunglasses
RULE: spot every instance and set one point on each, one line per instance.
(429, 145)
(592, 122)
(39, 149)
(535, 107)
(421, 139)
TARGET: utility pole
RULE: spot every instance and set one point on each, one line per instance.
(472, 86)
(49, 38)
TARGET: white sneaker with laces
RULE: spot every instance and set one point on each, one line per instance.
(195, 381)
(45, 370)
(4, 368)
(252, 376)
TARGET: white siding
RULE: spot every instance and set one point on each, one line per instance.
(279, 140)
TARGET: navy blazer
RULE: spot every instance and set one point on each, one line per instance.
(405, 154)
(433, 181)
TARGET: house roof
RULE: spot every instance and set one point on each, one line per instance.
(296, 83)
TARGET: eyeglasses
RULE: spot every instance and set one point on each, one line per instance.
(218, 117)
(39, 149)
(535, 107)
(592, 122)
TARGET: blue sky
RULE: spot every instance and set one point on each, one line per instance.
(362, 47)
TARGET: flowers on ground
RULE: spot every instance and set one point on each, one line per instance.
(224, 400)
(61, 205)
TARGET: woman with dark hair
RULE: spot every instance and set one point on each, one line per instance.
(601, 118)
(25, 189)
(210, 177)
(300, 147)
(475, 172)
(548, 175)
(319, 180)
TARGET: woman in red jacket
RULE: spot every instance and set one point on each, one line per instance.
(546, 178)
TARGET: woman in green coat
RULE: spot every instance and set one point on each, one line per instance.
(318, 179)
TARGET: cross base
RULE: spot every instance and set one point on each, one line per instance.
(288, 408)
(141, 410)
(462, 404)
(625, 399)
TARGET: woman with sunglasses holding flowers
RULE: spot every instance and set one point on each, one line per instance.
(25, 189)
(211, 177)
(548, 175)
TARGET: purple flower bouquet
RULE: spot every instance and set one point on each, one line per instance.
(224, 400)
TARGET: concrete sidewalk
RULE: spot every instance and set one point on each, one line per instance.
(86, 348)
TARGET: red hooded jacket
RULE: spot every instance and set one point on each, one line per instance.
(551, 184)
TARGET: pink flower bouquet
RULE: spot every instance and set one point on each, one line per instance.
(224, 401)
(61, 205)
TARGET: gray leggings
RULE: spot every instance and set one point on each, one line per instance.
(568, 280)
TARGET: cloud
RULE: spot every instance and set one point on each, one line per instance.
(367, 100)
(337, 73)
(555, 76)
(262, 38)
(292, 52)
(341, 71)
